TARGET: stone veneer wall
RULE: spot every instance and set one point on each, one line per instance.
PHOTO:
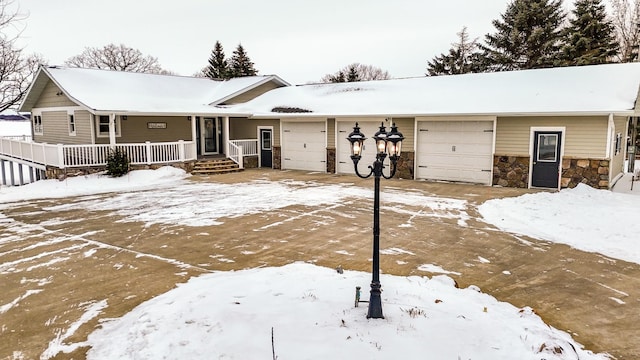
(61, 174)
(250, 162)
(277, 157)
(592, 172)
(404, 168)
(513, 171)
(331, 160)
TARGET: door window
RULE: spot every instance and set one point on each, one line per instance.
(547, 147)
(266, 140)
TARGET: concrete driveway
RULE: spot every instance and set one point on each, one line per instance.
(64, 268)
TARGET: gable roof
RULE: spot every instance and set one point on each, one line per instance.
(597, 89)
(119, 91)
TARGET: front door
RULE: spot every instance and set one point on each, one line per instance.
(266, 148)
(546, 159)
(210, 138)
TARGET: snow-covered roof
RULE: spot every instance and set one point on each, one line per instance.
(118, 91)
(601, 89)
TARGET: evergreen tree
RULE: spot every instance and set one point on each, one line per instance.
(527, 36)
(462, 58)
(218, 67)
(241, 65)
(590, 37)
(352, 75)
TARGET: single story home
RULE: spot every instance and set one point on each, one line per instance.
(544, 128)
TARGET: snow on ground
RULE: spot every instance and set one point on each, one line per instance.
(585, 218)
(15, 128)
(170, 199)
(231, 315)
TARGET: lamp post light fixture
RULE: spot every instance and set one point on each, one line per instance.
(386, 144)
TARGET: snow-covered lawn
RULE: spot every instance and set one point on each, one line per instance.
(231, 314)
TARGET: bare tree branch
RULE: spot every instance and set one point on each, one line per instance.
(626, 19)
(116, 57)
(16, 69)
(357, 72)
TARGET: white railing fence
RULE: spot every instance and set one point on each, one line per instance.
(63, 156)
(26, 138)
(238, 149)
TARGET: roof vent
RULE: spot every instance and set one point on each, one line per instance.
(286, 109)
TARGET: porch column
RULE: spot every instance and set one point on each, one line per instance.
(225, 135)
(112, 131)
(194, 137)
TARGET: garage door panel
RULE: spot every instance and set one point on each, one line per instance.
(455, 151)
(303, 146)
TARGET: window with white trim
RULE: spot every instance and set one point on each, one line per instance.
(102, 125)
(37, 125)
(72, 125)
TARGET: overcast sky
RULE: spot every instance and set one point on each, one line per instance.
(299, 40)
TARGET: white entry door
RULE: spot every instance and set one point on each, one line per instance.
(304, 146)
(455, 151)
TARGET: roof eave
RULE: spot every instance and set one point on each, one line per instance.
(265, 80)
(494, 114)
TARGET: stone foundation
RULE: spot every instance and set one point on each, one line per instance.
(511, 171)
(250, 162)
(61, 174)
(331, 160)
(592, 172)
(277, 157)
(404, 168)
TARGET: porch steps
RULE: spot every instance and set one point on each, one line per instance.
(215, 167)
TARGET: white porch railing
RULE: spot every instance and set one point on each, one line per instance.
(26, 138)
(238, 149)
(64, 156)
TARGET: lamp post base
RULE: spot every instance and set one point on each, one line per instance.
(375, 302)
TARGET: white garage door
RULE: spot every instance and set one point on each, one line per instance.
(455, 151)
(304, 146)
(344, 163)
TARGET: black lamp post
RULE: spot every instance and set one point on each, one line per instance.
(386, 144)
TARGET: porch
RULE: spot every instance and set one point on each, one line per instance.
(43, 160)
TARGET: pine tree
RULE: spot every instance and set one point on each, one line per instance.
(462, 58)
(352, 75)
(241, 65)
(590, 37)
(527, 36)
(218, 67)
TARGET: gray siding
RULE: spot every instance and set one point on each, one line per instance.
(585, 137)
(135, 130)
(55, 125)
(243, 128)
(253, 93)
(50, 97)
